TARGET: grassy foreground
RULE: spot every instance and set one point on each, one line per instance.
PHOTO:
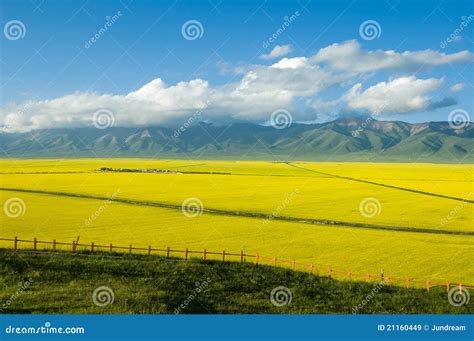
(65, 283)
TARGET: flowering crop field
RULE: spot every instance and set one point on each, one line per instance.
(411, 220)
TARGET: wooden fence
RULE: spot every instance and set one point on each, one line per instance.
(243, 257)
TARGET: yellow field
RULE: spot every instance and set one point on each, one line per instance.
(278, 189)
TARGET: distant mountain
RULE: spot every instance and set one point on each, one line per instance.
(345, 139)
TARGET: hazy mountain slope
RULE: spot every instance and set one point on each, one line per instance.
(351, 139)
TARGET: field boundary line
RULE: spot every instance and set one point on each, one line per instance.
(383, 185)
(257, 259)
(245, 214)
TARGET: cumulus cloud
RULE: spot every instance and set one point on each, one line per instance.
(278, 51)
(349, 56)
(401, 95)
(261, 89)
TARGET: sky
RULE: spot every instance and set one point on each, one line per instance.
(66, 63)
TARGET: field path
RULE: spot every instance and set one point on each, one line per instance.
(256, 215)
(382, 185)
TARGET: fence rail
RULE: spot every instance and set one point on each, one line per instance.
(313, 268)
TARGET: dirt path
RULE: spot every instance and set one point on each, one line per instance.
(382, 185)
(256, 215)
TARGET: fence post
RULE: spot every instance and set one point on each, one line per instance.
(388, 280)
(460, 288)
(350, 275)
(428, 285)
(369, 277)
(54, 245)
(168, 252)
(16, 243)
(274, 261)
(447, 287)
(311, 267)
(111, 247)
(186, 254)
(293, 264)
(223, 255)
(408, 282)
(130, 249)
(34, 244)
(73, 246)
(257, 258)
(330, 271)
(241, 256)
(149, 250)
(205, 254)
(92, 246)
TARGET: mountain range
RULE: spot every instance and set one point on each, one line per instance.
(345, 139)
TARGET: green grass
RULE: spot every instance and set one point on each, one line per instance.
(64, 283)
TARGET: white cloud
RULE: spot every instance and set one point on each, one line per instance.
(291, 63)
(278, 51)
(350, 57)
(261, 90)
(457, 87)
(401, 95)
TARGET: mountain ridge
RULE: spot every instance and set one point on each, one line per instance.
(344, 139)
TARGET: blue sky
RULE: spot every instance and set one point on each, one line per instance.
(146, 43)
